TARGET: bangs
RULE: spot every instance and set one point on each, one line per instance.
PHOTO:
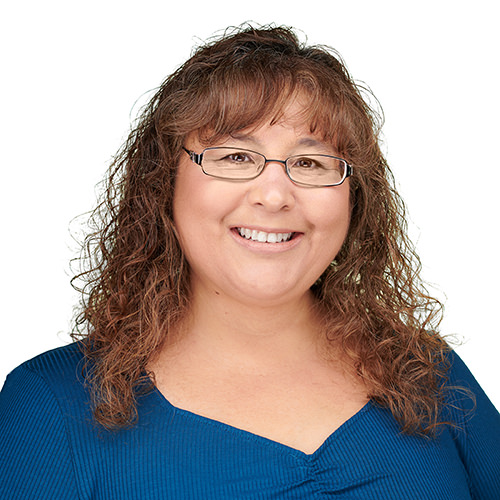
(243, 102)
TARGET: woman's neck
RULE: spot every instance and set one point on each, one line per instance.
(224, 329)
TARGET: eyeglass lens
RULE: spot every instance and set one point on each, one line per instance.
(232, 163)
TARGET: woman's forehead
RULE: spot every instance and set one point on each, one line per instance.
(294, 115)
(236, 112)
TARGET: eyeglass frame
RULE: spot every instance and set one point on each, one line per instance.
(197, 158)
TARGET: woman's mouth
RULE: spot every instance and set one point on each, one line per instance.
(263, 237)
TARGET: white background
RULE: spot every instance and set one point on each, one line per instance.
(72, 71)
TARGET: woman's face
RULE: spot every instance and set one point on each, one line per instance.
(210, 214)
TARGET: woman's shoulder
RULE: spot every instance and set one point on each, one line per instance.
(57, 366)
(463, 392)
(476, 421)
(63, 356)
(476, 428)
(38, 400)
(56, 375)
(460, 380)
(458, 369)
(43, 395)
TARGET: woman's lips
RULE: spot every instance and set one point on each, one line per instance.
(266, 241)
(263, 236)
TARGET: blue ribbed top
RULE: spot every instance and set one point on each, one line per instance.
(51, 449)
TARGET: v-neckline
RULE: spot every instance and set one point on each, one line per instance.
(249, 435)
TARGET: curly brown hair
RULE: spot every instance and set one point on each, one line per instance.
(137, 280)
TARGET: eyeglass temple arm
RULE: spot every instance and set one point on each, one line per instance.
(196, 158)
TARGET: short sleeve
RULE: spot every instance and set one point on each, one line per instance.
(35, 456)
(477, 433)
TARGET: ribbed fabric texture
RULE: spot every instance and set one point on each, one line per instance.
(51, 449)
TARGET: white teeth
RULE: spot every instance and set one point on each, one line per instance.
(262, 236)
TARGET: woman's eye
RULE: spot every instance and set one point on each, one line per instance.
(306, 163)
(238, 157)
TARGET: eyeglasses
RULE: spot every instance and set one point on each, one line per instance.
(313, 170)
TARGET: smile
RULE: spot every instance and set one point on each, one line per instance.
(263, 237)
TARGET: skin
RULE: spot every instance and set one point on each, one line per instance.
(207, 211)
(250, 353)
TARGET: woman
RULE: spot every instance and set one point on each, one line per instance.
(253, 323)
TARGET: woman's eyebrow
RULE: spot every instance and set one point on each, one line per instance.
(309, 141)
(304, 141)
(245, 138)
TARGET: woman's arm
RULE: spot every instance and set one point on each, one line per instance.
(35, 457)
(477, 433)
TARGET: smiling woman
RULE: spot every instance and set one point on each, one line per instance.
(253, 324)
(210, 217)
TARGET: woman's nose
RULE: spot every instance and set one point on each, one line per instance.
(272, 189)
